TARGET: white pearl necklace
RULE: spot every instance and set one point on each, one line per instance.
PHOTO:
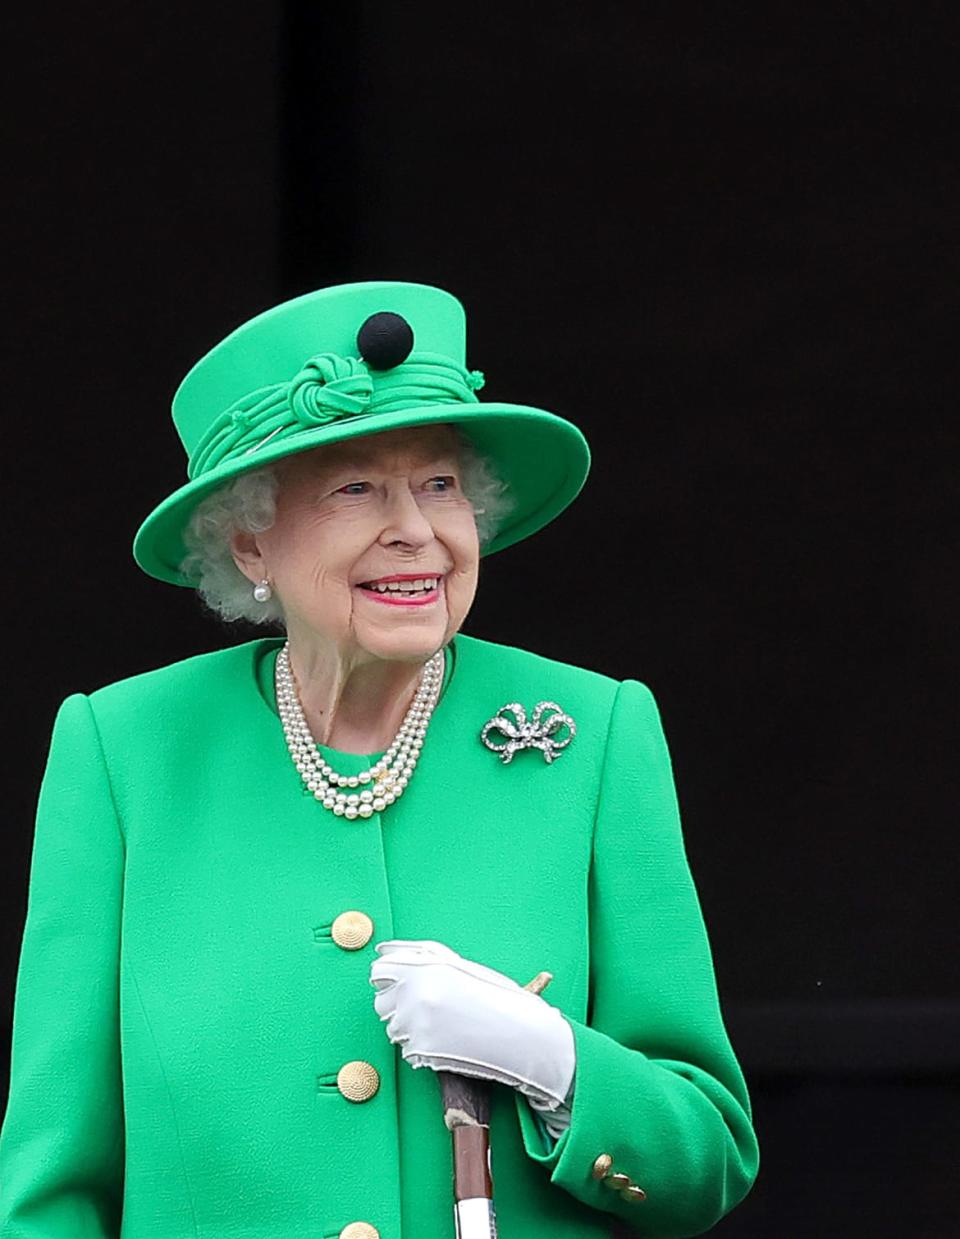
(386, 780)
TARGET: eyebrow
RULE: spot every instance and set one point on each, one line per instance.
(359, 460)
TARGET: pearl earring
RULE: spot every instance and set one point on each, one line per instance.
(262, 591)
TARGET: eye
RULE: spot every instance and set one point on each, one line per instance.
(353, 488)
(442, 483)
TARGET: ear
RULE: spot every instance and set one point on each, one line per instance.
(247, 555)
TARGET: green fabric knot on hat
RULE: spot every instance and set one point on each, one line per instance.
(329, 386)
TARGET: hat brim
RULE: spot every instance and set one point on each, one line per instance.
(543, 459)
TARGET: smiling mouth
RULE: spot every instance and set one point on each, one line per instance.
(403, 589)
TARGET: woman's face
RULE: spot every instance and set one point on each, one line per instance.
(374, 547)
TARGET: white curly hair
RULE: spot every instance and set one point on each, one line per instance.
(248, 502)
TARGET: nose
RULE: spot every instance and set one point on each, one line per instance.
(404, 523)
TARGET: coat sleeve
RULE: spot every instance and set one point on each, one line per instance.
(657, 1085)
(62, 1140)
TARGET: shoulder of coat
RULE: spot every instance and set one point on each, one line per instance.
(521, 673)
(204, 673)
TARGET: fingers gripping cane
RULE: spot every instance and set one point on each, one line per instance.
(466, 1113)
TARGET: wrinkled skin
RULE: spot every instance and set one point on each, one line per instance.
(349, 513)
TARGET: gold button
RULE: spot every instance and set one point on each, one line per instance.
(601, 1167)
(618, 1181)
(359, 1230)
(633, 1193)
(352, 930)
(358, 1081)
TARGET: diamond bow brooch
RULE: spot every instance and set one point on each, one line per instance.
(539, 732)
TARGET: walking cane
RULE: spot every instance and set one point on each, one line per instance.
(466, 1113)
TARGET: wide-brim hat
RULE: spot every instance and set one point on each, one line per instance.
(351, 360)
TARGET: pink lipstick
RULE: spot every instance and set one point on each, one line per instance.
(404, 589)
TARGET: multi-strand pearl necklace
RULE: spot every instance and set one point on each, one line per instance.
(386, 780)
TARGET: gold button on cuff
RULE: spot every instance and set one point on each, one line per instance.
(633, 1193)
(358, 1081)
(352, 930)
(617, 1181)
(359, 1230)
(601, 1167)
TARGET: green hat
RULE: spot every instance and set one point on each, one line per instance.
(355, 359)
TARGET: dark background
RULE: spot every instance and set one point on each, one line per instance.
(722, 242)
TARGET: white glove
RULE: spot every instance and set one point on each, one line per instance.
(451, 1014)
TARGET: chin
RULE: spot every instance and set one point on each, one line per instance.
(406, 646)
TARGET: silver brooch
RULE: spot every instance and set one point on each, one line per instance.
(538, 732)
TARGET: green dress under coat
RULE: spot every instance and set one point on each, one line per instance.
(181, 1009)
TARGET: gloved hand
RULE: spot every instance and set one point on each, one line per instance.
(451, 1014)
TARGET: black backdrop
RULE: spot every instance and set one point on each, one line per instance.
(722, 242)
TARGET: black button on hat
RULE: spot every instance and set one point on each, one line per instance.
(385, 340)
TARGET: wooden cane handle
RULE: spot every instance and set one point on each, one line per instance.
(466, 1113)
(466, 1100)
(539, 982)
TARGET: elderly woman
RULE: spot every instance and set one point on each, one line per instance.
(273, 883)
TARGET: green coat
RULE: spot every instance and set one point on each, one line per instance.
(182, 1008)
